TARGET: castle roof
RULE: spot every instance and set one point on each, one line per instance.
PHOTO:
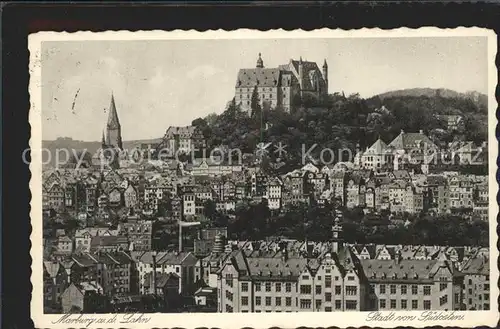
(258, 76)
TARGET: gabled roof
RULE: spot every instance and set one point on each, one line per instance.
(52, 268)
(108, 240)
(161, 279)
(405, 269)
(377, 148)
(410, 140)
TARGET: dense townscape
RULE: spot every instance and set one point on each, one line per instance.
(402, 224)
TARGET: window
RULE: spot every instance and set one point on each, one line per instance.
(328, 309)
(305, 277)
(351, 304)
(244, 301)
(319, 277)
(229, 309)
(288, 301)
(244, 286)
(404, 304)
(288, 287)
(305, 289)
(442, 286)
(328, 296)
(382, 288)
(338, 305)
(457, 298)
(268, 301)
(350, 277)
(278, 301)
(268, 286)
(257, 300)
(305, 303)
(414, 304)
(318, 289)
(351, 290)
(393, 303)
(338, 290)
(414, 289)
(257, 286)
(328, 281)
(427, 304)
(278, 286)
(393, 289)
(443, 300)
(382, 303)
(427, 290)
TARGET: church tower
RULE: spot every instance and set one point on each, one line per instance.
(113, 127)
(325, 74)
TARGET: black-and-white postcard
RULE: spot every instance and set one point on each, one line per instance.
(244, 178)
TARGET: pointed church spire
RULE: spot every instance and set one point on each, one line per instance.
(103, 140)
(113, 127)
(113, 121)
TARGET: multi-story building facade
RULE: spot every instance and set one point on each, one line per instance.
(377, 156)
(399, 284)
(338, 281)
(138, 232)
(476, 283)
(273, 193)
(182, 140)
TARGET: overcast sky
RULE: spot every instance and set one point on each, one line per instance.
(157, 84)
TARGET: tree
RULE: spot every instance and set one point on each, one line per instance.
(210, 209)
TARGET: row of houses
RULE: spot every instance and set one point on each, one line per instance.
(341, 281)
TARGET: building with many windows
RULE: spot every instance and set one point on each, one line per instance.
(280, 86)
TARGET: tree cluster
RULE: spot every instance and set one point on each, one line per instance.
(340, 122)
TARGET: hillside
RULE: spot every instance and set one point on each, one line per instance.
(335, 122)
(478, 98)
(338, 123)
(72, 144)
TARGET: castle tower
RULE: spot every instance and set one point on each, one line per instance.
(325, 74)
(260, 62)
(113, 127)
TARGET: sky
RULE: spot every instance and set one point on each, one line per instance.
(162, 83)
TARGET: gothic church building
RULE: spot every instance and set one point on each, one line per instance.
(278, 87)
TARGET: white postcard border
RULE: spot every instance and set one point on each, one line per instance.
(255, 320)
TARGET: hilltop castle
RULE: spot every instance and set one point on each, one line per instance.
(279, 87)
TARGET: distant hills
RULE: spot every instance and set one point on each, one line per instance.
(476, 97)
(71, 144)
(338, 122)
